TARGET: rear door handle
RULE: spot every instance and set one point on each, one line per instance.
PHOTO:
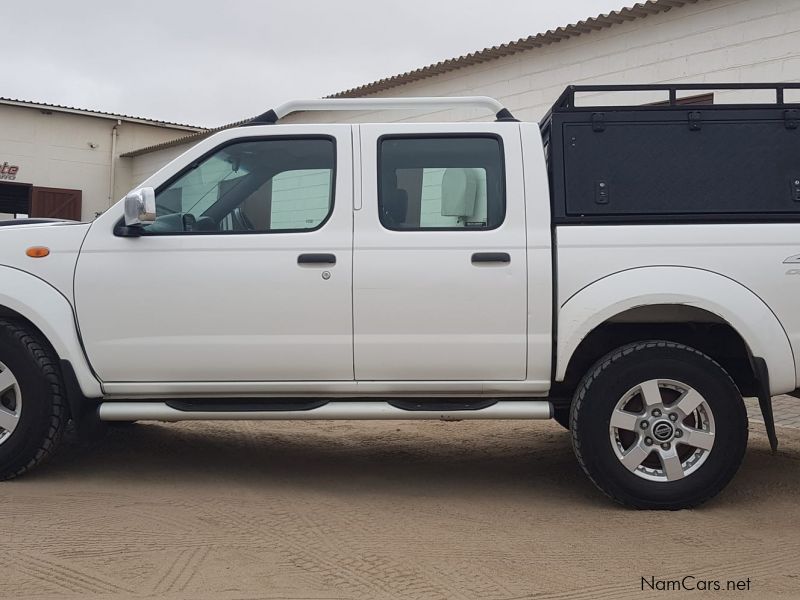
(316, 259)
(491, 257)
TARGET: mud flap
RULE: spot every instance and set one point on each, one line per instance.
(765, 400)
(83, 411)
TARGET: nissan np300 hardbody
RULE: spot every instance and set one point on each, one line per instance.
(631, 271)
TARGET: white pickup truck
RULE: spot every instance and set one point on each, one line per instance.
(631, 271)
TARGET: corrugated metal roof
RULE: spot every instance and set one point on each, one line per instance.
(96, 113)
(192, 137)
(603, 21)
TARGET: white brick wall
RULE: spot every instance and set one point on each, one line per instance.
(73, 151)
(711, 41)
(300, 199)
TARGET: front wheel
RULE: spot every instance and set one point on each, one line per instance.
(33, 410)
(659, 425)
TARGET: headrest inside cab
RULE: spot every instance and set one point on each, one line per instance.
(459, 192)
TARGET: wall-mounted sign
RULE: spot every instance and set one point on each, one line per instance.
(8, 172)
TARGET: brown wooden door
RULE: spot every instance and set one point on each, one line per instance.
(56, 203)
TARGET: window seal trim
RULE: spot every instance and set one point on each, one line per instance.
(460, 134)
(261, 138)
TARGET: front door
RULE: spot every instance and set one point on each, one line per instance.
(439, 265)
(244, 276)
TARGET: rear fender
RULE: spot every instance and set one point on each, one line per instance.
(646, 286)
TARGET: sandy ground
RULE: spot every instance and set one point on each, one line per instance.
(471, 510)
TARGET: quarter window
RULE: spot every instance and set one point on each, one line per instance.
(441, 183)
(275, 185)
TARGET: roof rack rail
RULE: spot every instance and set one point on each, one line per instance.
(273, 115)
(566, 101)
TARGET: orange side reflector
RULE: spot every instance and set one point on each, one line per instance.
(37, 251)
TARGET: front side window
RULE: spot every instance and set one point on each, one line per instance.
(441, 183)
(255, 186)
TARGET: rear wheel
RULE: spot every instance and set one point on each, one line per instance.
(33, 410)
(659, 425)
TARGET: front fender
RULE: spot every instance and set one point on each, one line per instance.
(50, 311)
(645, 286)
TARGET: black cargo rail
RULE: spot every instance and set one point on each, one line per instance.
(566, 101)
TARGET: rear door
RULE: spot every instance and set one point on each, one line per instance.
(439, 262)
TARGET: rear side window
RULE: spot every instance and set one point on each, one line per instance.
(441, 183)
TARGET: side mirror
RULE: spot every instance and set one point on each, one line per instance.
(140, 206)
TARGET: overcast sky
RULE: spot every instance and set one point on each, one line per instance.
(212, 62)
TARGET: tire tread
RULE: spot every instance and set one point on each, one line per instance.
(44, 359)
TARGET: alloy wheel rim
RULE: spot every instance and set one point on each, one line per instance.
(662, 430)
(10, 403)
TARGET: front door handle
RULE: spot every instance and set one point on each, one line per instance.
(316, 259)
(491, 257)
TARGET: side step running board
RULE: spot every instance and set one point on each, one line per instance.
(334, 410)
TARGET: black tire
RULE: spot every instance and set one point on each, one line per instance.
(611, 378)
(43, 413)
